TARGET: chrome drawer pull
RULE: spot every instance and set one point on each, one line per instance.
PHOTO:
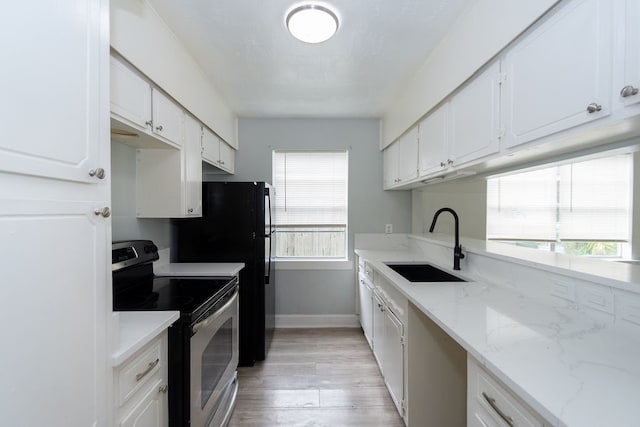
(149, 368)
(491, 401)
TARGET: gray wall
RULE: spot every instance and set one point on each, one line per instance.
(316, 292)
(124, 223)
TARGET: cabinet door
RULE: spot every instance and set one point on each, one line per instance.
(393, 362)
(52, 87)
(474, 118)
(150, 412)
(193, 167)
(130, 95)
(627, 89)
(559, 73)
(366, 310)
(56, 258)
(433, 133)
(390, 165)
(168, 118)
(227, 157)
(408, 156)
(378, 330)
(210, 147)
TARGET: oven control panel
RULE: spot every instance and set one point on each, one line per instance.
(132, 252)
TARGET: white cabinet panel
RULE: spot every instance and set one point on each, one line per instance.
(130, 95)
(408, 155)
(390, 165)
(218, 153)
(227, 157)
(557, 72)
(393, 362)
(168, 118)
(627, 89)
(474, 118)
(434, 142)
(50, 85)
(63, 273)
(378, 330)
(366, 309)
(193, 167)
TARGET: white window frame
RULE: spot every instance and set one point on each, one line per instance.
(313, 262)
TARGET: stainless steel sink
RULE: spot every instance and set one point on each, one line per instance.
(423, 273)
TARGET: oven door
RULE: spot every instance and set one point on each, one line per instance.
(214, 360)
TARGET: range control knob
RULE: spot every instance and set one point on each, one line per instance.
(150, 249)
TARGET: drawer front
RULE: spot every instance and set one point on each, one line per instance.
(393, 298)
(488, 398)
(138, 371)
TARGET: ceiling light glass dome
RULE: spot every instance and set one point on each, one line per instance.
(312, 23)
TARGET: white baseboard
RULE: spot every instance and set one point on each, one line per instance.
(317, 321)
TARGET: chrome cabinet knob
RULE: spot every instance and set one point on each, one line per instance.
(159, 128)
(628, 91)
(190, 210)
(98, 173)
(105, 212)
(449, 161)
(149, 123)
(442, 164)
(593, 107)
(163, 389)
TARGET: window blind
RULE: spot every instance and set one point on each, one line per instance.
(311, 188)
(523, 206)
(595, 200)
(583, 201)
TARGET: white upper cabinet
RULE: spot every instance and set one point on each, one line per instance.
(168, 117)
(434, 142)
(130, 96)
(627, 88)
(141, 114)
(390, 165)
(46, 88)
(559, 76)
(408, 155)
(400, 160)
(193, 167)
(474, 116)
(169, 182)
(216, 152)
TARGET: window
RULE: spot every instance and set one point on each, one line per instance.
(582, 208)
(310, 203)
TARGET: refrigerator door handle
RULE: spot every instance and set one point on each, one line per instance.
(268, 236)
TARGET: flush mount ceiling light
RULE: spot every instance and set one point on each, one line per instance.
(312, 23)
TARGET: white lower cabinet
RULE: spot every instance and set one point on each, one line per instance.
(393, 361)
(491, 404)
(389, 320)
(140, 385)
(378, 330)
(365, 292)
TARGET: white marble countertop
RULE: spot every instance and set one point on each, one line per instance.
(571, 369)
(132, 330)
(220, 269)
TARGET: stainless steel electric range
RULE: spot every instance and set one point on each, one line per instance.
(203, 343)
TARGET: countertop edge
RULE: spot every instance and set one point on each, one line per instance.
(134, 329)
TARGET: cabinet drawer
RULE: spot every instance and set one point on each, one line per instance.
(488, 398)
(138, 371)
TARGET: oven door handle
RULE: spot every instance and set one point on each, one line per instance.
(204, 323)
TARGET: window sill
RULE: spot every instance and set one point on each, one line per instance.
(313, 264)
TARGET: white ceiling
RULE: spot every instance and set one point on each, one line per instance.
(262, 71)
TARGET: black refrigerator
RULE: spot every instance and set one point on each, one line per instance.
(236, 226)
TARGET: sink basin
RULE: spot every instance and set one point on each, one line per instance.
(423, 273)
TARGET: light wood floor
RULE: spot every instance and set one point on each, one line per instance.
(315, 378)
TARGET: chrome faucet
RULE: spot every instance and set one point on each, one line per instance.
(457, 249)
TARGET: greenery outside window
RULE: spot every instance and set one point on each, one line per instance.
(311, 204)
(581, 208)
